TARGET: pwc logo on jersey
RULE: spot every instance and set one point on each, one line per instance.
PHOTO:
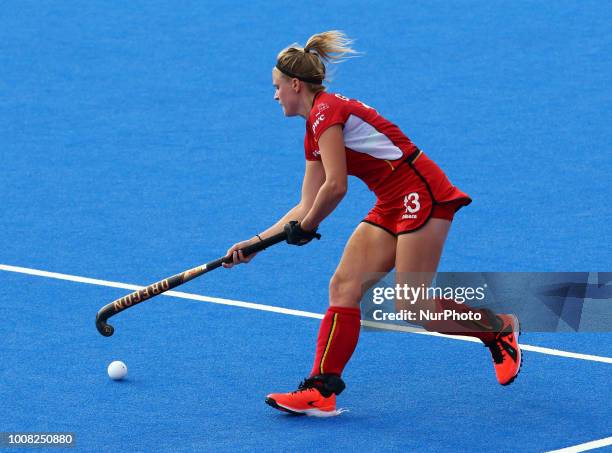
(320, 117)
(322, 106)
(412, 205)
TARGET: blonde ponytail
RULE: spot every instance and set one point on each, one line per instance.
(332, 46)
(308, 63)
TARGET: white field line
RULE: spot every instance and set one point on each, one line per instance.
(287, 311)
(586, 446)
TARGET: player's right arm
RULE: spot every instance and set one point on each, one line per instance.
(314, 177)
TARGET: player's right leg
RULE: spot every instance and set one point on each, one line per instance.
(417, 259)
(369, 253)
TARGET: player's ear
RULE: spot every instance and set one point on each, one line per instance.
(295, 84)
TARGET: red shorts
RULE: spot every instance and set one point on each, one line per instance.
(413, 194)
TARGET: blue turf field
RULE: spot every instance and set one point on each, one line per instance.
(139, 139)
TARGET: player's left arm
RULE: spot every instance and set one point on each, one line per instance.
(333, 156)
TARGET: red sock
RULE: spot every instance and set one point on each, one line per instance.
(484, 328)
(337, 339)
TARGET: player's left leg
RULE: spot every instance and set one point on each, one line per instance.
(417, 257)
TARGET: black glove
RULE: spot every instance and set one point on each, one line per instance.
(297, 236)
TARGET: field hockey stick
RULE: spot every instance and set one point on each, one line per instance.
(167, 284)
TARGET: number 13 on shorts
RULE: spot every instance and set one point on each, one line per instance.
(412, 205)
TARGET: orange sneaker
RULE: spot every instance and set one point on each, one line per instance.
(313, 397)
(505, 350)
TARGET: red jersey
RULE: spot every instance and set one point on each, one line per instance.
(374, 145)
(410, 188)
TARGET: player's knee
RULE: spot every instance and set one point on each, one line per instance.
(344, 292)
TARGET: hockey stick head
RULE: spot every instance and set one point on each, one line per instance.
(105, 329)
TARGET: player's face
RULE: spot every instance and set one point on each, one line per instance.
(285, 94)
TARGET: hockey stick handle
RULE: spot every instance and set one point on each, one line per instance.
(157, 288)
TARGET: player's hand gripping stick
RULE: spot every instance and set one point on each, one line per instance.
(297, 236)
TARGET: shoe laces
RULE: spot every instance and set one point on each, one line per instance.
(306, 384)
(496, 351)
(495, 346)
